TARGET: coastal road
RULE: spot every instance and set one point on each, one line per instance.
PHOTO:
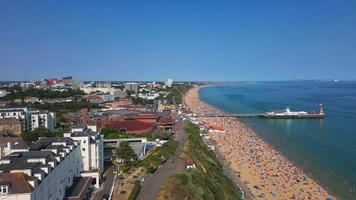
(105, 187)
(154, 182)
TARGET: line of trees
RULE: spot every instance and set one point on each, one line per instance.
(18, 93)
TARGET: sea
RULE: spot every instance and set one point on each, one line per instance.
(323, 148)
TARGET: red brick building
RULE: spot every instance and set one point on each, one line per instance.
(139, 123)
(10, 125)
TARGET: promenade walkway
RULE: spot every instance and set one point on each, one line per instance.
(154, 182)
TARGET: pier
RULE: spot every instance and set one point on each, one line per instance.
(286, 114)
(230, 115)
(265, 116)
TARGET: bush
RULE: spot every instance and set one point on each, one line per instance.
(155, 158)
(151, 169)
(183, 178)
(125, 168)
(135, 191)
(41, 132)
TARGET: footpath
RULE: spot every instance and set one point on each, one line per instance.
(154, 182)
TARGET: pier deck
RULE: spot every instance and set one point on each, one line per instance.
(264, 116)
(230, 115)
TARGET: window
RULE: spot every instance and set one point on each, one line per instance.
(83, 149)
(4, 189)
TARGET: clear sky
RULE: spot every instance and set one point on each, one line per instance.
(184, 40)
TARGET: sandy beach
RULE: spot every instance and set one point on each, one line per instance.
(263, 170)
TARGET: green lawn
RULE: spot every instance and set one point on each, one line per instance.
(158, 156)
(135, 191)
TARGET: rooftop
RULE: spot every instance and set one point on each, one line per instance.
(30, 154)
(9, 121)
(134, 125)
(78, 126)
(18, 182)
(86, 132)
(13, 140)
(19, 164)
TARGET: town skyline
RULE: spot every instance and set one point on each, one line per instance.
(153, 100)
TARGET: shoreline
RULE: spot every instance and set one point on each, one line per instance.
(331, 193)
(261, 169)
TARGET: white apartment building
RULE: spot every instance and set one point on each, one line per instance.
(31, 119)
(149, 95)
(107, 97)
(44, 171)
(168, 83)
(132, 87)
(92, 150)
(39, 118)
(18, 113)
(3, 93)
(108, 90)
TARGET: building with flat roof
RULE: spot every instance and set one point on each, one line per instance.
(30, 119)
(132, 87)
(40, 118)
(91, 149)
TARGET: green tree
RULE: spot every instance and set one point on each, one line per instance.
(126, 153)
(41, 132)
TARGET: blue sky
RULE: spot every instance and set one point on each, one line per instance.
(184, 40)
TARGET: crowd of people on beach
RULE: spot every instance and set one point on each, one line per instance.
(263, 170)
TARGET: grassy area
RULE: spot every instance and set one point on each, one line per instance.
(158, 156)
(206, 181)
(135, 191)
(113, 134)
(176, 92)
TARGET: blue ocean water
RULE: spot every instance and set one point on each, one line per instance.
(324, 148)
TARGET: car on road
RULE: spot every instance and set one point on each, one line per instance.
(105, 197)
